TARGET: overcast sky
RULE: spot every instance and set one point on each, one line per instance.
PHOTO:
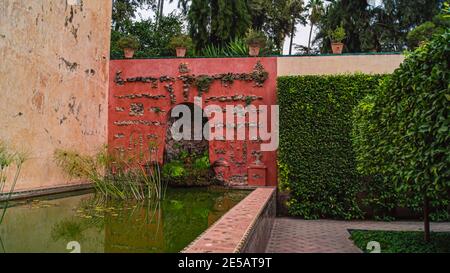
(301, 37)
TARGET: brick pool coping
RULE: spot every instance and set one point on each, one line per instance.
(26, 194)
(245, 228)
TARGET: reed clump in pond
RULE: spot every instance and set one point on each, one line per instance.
(114, 176)
(10, 164)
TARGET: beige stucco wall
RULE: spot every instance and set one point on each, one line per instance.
(339, 64)
(53, 82)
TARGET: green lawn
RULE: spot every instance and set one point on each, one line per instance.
(402, 242)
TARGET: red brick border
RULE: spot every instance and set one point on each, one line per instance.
(245, 228)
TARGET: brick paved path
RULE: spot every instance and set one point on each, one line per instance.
(329, 236)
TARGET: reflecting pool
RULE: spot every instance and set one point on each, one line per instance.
(49, 224)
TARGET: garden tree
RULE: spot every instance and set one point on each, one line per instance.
(402, 133)
(427, 30)
(316, 10)
(276, 18)
(420, 34)
(216, 22)
(258, 11)
(294, 10)
(154, 37)
(124, 11)
(159, 9)
(395, 18)
(354, 17)
(380, 28)
(281, 17)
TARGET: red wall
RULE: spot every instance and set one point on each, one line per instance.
(133, 138)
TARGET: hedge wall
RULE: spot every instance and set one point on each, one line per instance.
(316, 160)
(402, 133)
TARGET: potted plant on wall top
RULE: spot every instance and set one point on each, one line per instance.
(255, 40)
(337, 36)
(181, 44)
(129, 44)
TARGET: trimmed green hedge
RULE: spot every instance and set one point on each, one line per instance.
(402, 241)
(402, 133)
(316, 159)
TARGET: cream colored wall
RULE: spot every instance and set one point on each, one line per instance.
(53, 82)
(340, 64)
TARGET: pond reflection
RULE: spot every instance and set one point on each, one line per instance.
(48, 225)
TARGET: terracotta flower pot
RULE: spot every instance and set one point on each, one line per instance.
(254, 50)
(181, 52)
(337, 48)
(128, 52)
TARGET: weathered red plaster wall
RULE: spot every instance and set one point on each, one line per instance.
(133, 138)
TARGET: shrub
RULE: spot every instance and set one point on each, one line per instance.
(256, 38)
(202, 162)
(154, 37)
(188, 170)
(235, 48)
(401, 241)
(131, 42)
(213, 51)
(337, 35)
(405, 134)
(425, 32)
(181, 41)
(174, 170)
(420, 34)
(316, 158)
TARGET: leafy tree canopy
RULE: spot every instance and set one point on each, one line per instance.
(375, 28)
(218, 22)
(124, 11)
(154, 37)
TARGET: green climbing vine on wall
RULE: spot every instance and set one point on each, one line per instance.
(202, 82)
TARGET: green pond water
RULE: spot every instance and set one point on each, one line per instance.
(48, 224)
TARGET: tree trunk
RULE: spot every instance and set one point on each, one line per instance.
(292, 37)
(161, 11)
(426, 218)
(158, 4)
(309, 40)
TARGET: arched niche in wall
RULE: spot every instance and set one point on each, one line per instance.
(177, 149)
